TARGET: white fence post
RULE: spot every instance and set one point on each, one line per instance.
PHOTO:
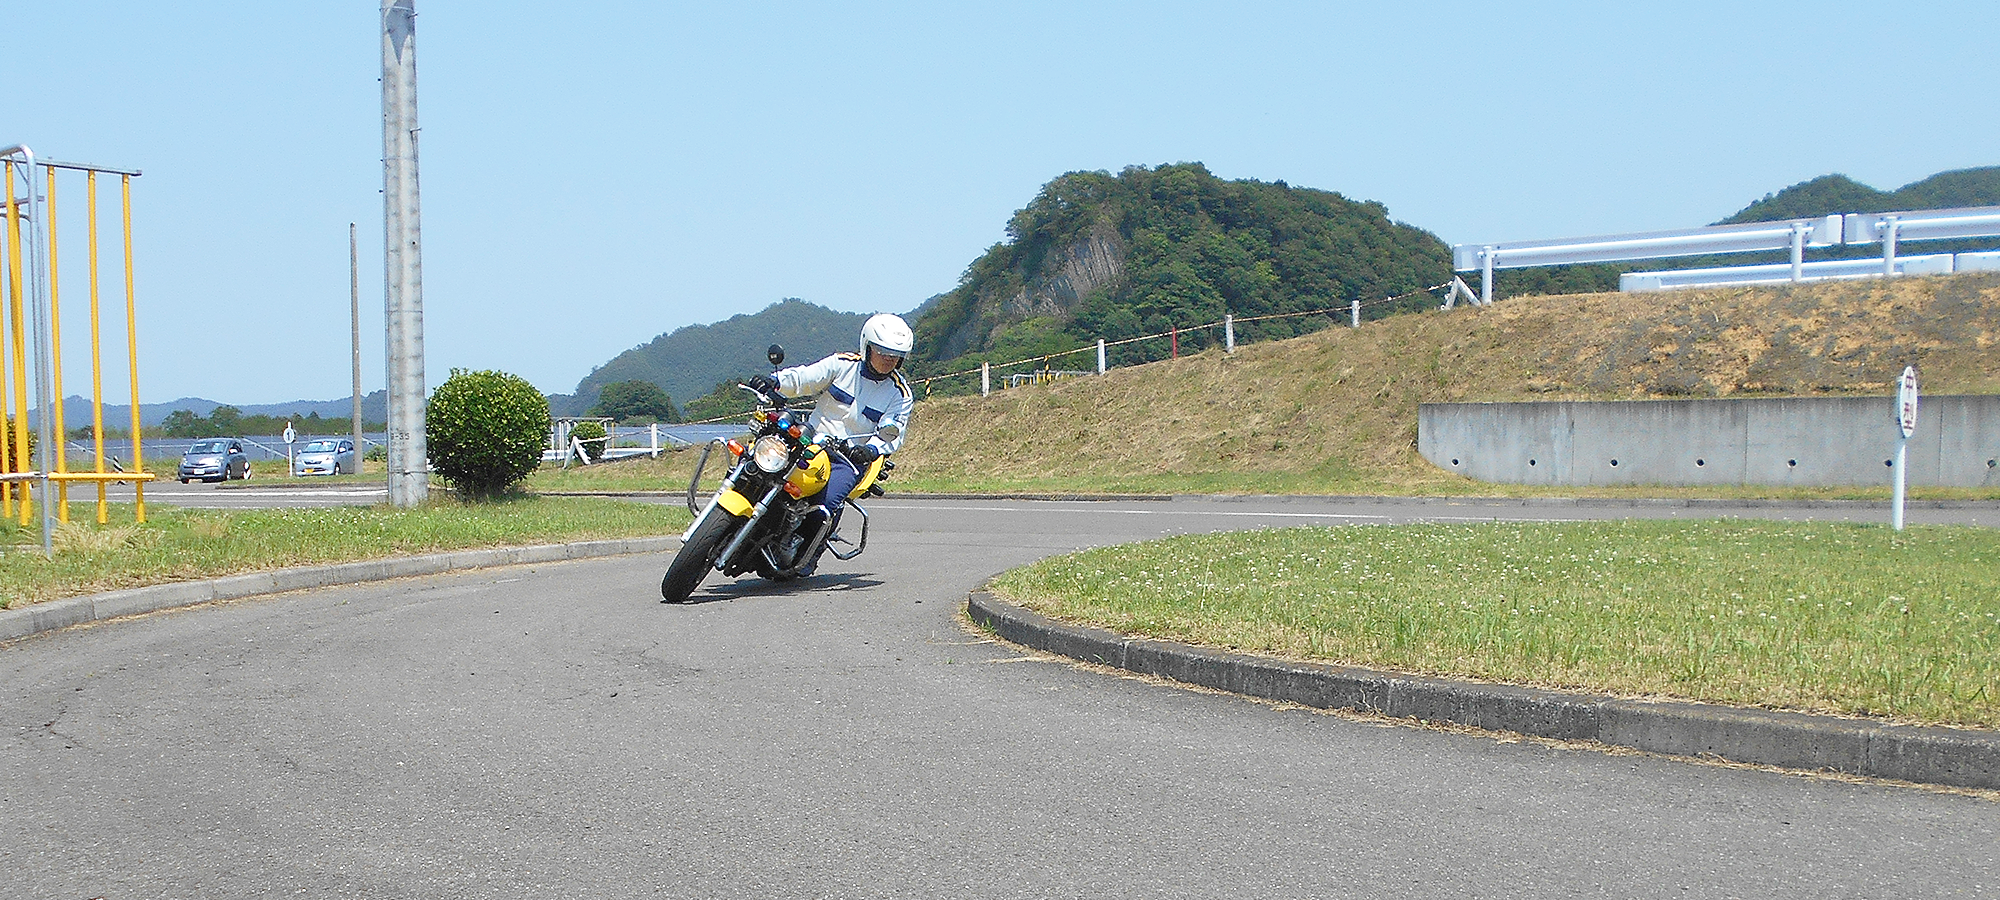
(1228, 333)
(1354, 311)
(1100, 356)
(985, 379)
(1889, 245)
(1798, 251)
(1486, 275)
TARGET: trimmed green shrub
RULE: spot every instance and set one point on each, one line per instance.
(485, 430)
(590, 433)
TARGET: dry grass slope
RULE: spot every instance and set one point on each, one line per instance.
(1336, 411)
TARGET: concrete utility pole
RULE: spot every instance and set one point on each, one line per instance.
(354, 307)
(402, 258)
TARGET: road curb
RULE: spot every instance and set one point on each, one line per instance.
(51, 615)
(1928, 755)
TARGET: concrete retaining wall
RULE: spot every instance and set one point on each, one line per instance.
(1814, 442)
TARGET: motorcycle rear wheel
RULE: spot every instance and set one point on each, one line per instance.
(696, 557)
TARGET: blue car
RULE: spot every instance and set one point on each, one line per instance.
(214, 459)
(326, 457)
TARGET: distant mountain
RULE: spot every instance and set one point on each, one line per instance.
(688, 362)
(76, 410)
(1831, 194)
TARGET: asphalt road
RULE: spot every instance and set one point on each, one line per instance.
(256, 493)
(555, 731)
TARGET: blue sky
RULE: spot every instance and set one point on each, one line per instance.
(596, 174)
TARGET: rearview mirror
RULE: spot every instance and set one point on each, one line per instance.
(775, 354)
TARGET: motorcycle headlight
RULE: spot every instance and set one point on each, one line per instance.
(771, 454)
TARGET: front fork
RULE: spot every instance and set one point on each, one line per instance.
(743, 533)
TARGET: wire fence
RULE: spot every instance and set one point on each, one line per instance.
(1043, 365)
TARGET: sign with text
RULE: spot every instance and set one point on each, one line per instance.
(1906, 401)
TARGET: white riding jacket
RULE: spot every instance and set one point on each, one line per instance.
(849, 405)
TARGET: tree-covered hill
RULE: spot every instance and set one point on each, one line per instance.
(687, 362)
(1831, 194)
(1114, 256)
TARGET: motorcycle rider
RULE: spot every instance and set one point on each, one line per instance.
(862, 400)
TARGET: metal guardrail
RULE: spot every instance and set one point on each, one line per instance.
(1782, 273)
(1793, 234)
(1919, 225)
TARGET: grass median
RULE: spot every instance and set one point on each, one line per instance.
(1847, 619)
(176, 544)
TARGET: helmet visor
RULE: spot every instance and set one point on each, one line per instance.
(892, 354)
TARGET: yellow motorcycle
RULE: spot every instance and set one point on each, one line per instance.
(757, 519)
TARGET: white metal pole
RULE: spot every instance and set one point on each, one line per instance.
(1902, 456)
(36, 238)
(403, 256)
(1100, 356)
(1228, 334)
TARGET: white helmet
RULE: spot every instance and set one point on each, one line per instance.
(888, 333)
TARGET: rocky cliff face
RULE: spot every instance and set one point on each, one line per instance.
(1095, 262)
(1073, 272)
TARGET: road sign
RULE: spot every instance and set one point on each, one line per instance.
(1906, 401)
(290, 435)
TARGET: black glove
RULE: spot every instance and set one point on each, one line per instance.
(863, 454)
(762, 384)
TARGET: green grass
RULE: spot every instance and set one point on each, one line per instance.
(184, 544)
(1850, 619)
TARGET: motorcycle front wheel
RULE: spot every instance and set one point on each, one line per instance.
(697, 556)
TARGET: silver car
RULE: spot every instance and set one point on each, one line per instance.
(214, 460)
(326, 457)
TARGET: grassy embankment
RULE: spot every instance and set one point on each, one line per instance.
(1336, 412)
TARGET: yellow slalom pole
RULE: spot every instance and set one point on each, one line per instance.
(15, 323)
(132, 345)
(61, 449)
(96, 353)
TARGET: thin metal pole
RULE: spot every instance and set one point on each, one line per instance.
(403, 256)
(44, 390)
(354, 305)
